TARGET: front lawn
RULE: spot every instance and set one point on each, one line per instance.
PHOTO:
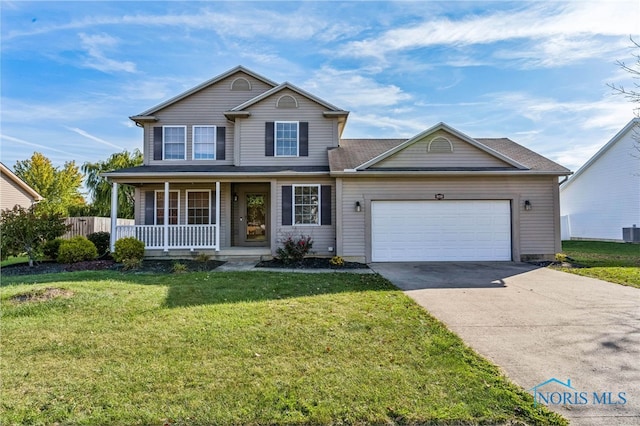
(614, 262)
(238, 348)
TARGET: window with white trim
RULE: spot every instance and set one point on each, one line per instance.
(286, 138)
(306, 204)
(174, 140)
(198, 207)
(174, 207)
(204, 142)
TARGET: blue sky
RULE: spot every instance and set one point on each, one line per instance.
(536, 72)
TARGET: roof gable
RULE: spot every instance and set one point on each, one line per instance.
(440, 130)
(280, 88)
(633, 125)
(202, 86)
(5, 171)
(440, 149)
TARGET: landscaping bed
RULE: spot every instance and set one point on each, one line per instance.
(149, 266)
(310, 263)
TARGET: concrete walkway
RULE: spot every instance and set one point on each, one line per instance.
(539, 324)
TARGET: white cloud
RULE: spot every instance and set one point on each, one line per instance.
(561, 28)
(45, 148)
(251, 23)
(95, 46)
(349, 89)
(92, 137)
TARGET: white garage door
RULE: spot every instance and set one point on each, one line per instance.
(440, 230)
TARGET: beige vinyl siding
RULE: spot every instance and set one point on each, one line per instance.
(533, 232)
(182, 201)
(464, 155)
(322, 131)
(324, 236)
(205, 107)
(12, 194)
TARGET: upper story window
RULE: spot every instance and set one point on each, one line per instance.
(286, 139)
(174, 139)
(204, 142)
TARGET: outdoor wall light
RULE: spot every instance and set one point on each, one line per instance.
(358, 206)
(235, 196)
(527, 205)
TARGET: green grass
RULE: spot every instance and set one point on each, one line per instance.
(613, 262)
(13, 260)
(240, 348)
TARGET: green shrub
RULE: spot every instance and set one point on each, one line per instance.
(202, 257)
(293, 250)
(51, 248)
(102, 240)
(128, 248)
(76, 249)
(131, 264)
(179, 268)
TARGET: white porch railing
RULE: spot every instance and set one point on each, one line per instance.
(179, 236)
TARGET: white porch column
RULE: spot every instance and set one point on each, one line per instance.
(114, 215)
(217, 216)
(166, 216)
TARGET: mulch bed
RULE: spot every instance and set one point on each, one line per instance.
(157, 266)
(163, 266)
(310, 263)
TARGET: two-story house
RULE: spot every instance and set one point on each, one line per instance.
(238, 163)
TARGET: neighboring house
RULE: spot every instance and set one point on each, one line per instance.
(238, 163)
(603, 196)
(14, 191)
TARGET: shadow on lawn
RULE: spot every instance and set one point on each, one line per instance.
(204, 288)
(233, 287)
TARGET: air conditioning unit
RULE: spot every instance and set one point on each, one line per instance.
(631, 235)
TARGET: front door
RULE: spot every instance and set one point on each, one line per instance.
(255, 225)
(251, 214)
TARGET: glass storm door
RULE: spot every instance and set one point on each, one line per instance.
(256, 217)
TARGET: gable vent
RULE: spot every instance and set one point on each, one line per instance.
(287, 101)
(240, 84)
(440, 144)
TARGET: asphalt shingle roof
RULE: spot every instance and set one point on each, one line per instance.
(354, 152)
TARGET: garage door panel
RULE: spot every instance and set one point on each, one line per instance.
(440, 230)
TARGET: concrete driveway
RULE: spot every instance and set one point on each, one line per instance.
(538, 324)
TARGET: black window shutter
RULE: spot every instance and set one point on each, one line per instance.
(149, 207)
(220, 142)
(304, 139)
(287, 195)
(157, 143)
(325, 208)
(268, 138)
(212, 202)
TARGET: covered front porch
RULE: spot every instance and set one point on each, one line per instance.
(179, 218)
